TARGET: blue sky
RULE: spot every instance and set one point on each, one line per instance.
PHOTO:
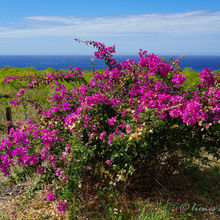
(48, 27)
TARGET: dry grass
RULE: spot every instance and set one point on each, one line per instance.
(198, 185)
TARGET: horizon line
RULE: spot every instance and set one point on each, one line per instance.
(113, 55)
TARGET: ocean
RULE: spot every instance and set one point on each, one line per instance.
(197, 63)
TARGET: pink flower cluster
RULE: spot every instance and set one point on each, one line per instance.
(61, 207)
(178, 79)
(207, 78)
(20, 92)
(17, 148)
(51, 197)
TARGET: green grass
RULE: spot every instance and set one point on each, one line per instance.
(158, 211)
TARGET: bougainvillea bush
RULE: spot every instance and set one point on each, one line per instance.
(130, 118)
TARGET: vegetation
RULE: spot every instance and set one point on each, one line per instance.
(9, 91)
(100, 146)
(192, 77)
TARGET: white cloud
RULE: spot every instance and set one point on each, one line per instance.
(160, 24)
(3, 28)
(63, 20)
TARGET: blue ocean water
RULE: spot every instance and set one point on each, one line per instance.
(197, 63)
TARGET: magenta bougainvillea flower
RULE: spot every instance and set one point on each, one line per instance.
(109, 117)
